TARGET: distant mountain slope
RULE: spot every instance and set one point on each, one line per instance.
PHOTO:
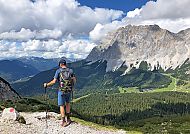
(93, 77)
(6, 92)
(40, 63)
(13, 70)
(131, 45)
(34, 85)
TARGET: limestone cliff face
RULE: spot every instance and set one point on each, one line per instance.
(131, 45)
(6, 92)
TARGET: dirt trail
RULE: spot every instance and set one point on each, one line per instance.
(35, 124)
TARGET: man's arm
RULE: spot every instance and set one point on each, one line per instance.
(53, 81)
(50, 83)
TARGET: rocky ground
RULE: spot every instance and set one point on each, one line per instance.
(36, 124)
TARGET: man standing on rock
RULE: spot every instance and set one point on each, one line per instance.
(66, 79)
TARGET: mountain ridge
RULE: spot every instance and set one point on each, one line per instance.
(7, 92)
(131, 45)
(121, 61)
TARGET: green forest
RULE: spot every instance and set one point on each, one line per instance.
(136, 111)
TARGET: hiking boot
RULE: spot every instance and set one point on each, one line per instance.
(64, 123)
(68, 118)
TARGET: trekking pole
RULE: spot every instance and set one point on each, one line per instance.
(46, 107)
(72, 95)
(73, 88)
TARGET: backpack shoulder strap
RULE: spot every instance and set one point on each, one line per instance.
(61, 73)
(65, 70)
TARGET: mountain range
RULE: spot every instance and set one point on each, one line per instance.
(143, 57)
(131, 45)
(12, 70)
(40, 63)
(21, 69)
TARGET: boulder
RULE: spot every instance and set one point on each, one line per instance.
(21, 120)
(10, 114)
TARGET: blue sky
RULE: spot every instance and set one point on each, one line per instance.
(124, 5)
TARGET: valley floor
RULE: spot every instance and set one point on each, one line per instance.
(36, 124)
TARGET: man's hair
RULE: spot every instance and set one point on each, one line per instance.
(62, 61)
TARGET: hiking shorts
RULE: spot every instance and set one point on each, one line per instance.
(63, 98)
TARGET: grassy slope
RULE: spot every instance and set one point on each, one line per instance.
(182, 71)
(171, 87)
(100, 127)
(29, 105)
(174, 87)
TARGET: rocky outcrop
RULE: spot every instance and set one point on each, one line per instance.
(131, 45)
(6, 92)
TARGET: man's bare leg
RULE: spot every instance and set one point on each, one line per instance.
(62, 112)
(68, 107)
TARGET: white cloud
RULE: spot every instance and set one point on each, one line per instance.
(65, 15)
(166, 9)
(100, 31)
(132, 14)
(24, 34)
(172, 15)
(27, 34)
(47, 49)
(171, 25)
(38, 28)
(95, 34)
(48, 34)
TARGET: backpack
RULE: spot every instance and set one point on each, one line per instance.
(65, 80)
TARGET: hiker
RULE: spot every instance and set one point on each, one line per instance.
(66, 79)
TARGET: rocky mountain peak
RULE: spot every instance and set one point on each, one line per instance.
(133, 44)
(6, 92)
